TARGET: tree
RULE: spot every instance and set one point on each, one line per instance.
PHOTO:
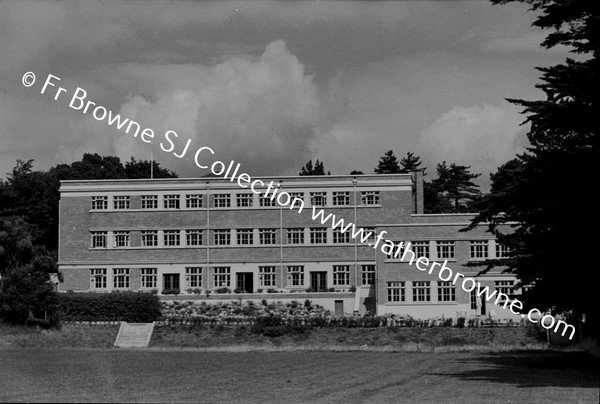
(356, 172)
(454, 183)
(388, 164)
(309, 169)
(546, 195)
(410, 163)
(135, 169)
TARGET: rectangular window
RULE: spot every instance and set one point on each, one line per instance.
(394, 254)
(502, 250)
(148, 278)
(171, 201)
(149, 201)
(372, 234)
(420, 248)
(266, 276)
(99, 202)
(473, 299)
(318, 235)
(193, 201)
(193, 237)
(421, 291)
(318, 198)
(98, 278)
(395, 292)
(122, 202)
(244, 200)
(294, 195)
(265, 202)
(222, 201)
(222, 237)
(193, 277)
(505, 287)
(121, 278)
(99, 239)
(149, 238)
(341, 238)
(479, 249)
(446, 292)
(369, 197)
(267, 236)
(445, 249)
(245, 236)
(295, 235)
(367, 274)
(295, 275)
(171, 237)
(222, 277)
(121, 239)
(341, 198)
(341, 275)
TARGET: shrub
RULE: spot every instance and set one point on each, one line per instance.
(307, 303)
(171, 292)
(460, 322)
(271, 290)
(223, 290)
(134, 307)
(352, 289)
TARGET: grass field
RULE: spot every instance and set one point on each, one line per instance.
(109, 375)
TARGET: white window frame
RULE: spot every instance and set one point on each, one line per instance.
(341, 198)
(341, 275)
(396, 292)
(148, 278)
(245, 236)
(370, 198)
(245, 200)
(221, 237)
(295, 235)
(421, 291)
(121, 202)
(121, 278)
(222, 277)
(295, 275)
(478, 249)
(420, 248)
(121, 239)
(171, 238)
(193, 237)
(446, 250)
(98, 278)
(266, 202)
(171, 201)
(446, 291)
(502, 250)
(99, 239)
(222, 200)
(318, 198)
(266, 276)
(318, 235)
(194, 201)
(99, 203)
(341, 238)
(149, 201)
(149, 235)
(367, 274)
(193, 277)
(267, 236)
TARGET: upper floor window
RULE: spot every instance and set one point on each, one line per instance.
(121, 278)
(193, 237)
(318, 198)
(318, 235)
(98, 278)
(420, 248)
(122, 202)
(149, 238)
(446, 292)
(341, 198)
(370, 231)
(505, 287)
(99, 202)
(445, 249)
(341, 238)
(299, 195)
(369, 197)
(421, 291)
(295, 235)
(149, 201)
(341, 275)
(266, 275)
(222, 237)
(222, 201)
(171, 201)
(245, 236)
(244, 200)
(99, 239)
(295, 275)
(121, 239)
(479, 249)
(367, 274)
(265, 202)
(193, 201)
(267, 236)
(395, 292)
(171, 237)
(502, 250)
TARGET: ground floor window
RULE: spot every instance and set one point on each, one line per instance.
(421, 291)
(222, 277)
(149, 276)
(121, 278)
(341, 275)
(473, 299)
(193, 277)
(98, 278)
(395, 292)
(267, 276)
(446, 292)
(367, 274)
(295, 275)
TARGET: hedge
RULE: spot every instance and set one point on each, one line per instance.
(135, 307)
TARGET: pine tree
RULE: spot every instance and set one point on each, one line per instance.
(454, 183)
(388, 164)
(410, 163)
(309, 169)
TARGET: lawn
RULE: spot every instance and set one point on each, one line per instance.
(109, 375)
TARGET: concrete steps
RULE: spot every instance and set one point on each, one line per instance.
(134, 335)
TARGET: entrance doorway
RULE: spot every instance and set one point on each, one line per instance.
(339, 308)
(318, 281)
(170, 282)
(245, 281)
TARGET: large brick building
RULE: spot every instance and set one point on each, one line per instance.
(193, 235)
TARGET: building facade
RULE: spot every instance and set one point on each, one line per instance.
(184, 237)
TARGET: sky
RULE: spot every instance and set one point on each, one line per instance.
(271, 84)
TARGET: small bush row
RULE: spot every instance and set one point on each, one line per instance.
(135, 307)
